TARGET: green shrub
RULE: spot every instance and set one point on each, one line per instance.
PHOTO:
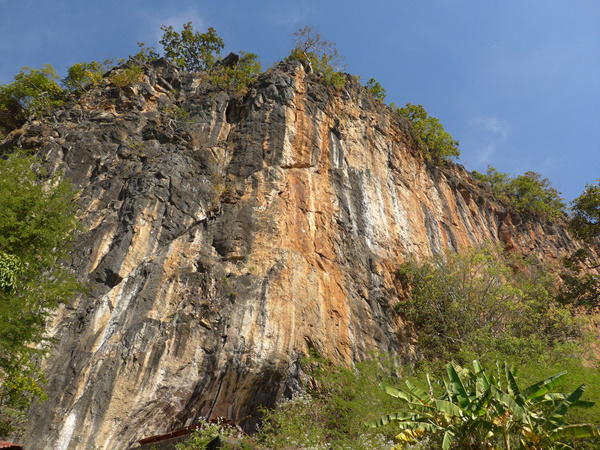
(320, 55)
(83, 75)
(33, 92)
(481, 302)
(376, 90)
(146, 54)
(527, 193)
(436, 143)
(239, 76)
(125, 77)
(177, 113)
(331, 412)
(192, 51)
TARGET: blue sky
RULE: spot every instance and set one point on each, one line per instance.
(516, 82)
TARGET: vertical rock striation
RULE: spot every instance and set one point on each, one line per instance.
(222, 245)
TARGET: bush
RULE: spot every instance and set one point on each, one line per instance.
(34, 92)
(580, 285)
(528, 193)
(319, 55)
(80, 76)
(436, 143)
(331, 412)
(146, 54)
(238, 76)
(127, 76)
(192, 51)
(481, 302)
(376, 90)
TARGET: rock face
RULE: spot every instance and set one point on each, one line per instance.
(227, 234)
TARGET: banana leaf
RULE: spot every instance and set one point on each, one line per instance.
(581, 430)
(543, 386)
(449, 408)
(513, 387)
(556, 416)
(388, 418)
(458, 387)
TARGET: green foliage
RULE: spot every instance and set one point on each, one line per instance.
(376, 90)
(239, 76)
(481, 302)
(331, 413)
(177, 113)
(192, 51)
(585, 223)
(532, 193)
(485, 410)
(581, 286)
(37, 219)
(146, 54)
(11, 268)
(126, 76)
(496, 179)
(33, 92)
(527, 193)
(85, 74)
(296, 422)
(319, 55)
(438, 145)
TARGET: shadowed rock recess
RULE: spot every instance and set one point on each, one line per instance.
(227, 234)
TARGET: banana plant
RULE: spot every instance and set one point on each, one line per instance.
(480, 411)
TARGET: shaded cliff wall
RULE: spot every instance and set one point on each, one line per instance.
(222, 246)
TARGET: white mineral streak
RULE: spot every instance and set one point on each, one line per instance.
(66, 433)
(288, 156)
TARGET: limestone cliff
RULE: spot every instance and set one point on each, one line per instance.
(227, 234)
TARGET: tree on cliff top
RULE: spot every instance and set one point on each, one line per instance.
(37, 220)
(319, 54)
(192, 51)
(33, 92)
(528, 193)
(438, 144)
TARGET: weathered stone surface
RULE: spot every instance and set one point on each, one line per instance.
(221, 246)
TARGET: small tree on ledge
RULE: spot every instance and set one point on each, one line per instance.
(438, 144)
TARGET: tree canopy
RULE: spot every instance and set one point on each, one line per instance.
(192, 51)
(438, 144)
(319, 54)
(527, 193)
(33, 92)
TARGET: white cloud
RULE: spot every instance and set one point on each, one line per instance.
(493, 125)
(488, 134)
